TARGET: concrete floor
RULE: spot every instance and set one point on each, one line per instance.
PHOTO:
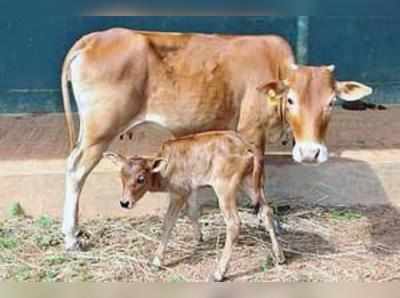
(364, 168)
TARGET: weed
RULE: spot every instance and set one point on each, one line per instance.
(55, 260)
(44, 221)
(7, 241)
(22, 273)
(344, 215)
(16, 210)
(267, 265)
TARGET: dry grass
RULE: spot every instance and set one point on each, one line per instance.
(321, 245)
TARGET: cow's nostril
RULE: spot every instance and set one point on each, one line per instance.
(317, 154)
(124, 204)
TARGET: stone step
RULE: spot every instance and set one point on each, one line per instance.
(364, 168)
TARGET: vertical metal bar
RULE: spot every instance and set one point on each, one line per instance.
(302, 39)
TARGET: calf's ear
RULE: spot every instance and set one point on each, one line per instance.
(352, 91)
(116, 158)
(158, 165)
(273, 91)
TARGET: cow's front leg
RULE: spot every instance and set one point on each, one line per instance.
(176, 204)
(266, 216)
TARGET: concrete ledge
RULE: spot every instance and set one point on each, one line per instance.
(364, 168)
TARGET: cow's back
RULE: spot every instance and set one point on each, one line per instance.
(187, 83)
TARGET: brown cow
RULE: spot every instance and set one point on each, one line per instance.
(221, 160)
(190, 83)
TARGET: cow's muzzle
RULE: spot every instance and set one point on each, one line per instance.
(310, 152)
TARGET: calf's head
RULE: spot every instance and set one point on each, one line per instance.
(137, 176)
(306, 98)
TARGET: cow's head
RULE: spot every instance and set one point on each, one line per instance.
(137, 176)
(307, 98)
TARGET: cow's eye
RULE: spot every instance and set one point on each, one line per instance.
(290, 101)
(140, 179)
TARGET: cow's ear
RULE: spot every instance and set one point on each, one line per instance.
(158, 165)
(273, 91)
(352, 91)
(116, 158)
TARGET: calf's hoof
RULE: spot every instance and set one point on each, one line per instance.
(216, 277)
(279, 258)
(72, 244)
(156, 264)
(277, 226)
(199, 238)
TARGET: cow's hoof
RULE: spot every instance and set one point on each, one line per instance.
(73, 244)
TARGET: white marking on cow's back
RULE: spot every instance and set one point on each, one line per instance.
(156, 118)
(153, 118)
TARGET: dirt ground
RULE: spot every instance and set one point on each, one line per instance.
(361, 244)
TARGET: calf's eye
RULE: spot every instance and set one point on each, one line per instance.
(140, 179)
(290, 101)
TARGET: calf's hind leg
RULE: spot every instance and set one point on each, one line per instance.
(194, 213)
(226, 193)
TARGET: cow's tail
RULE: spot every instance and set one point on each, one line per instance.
(65, 77)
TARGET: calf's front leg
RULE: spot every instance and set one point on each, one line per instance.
(176, 202)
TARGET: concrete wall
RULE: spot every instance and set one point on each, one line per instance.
(32, 49)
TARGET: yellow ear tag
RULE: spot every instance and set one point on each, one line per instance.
(272, 97)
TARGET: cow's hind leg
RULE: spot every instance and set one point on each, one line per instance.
(80, 163)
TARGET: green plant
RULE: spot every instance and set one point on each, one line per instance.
(175, 279)
(46, 241)
(45, 221)
(7, 241)
(345, 215)
(16, 210)
(55, 260)
(267, 264)
(22, 273)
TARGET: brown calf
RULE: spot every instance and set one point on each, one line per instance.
(221, 160)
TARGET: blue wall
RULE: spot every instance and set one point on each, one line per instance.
(32, 49)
